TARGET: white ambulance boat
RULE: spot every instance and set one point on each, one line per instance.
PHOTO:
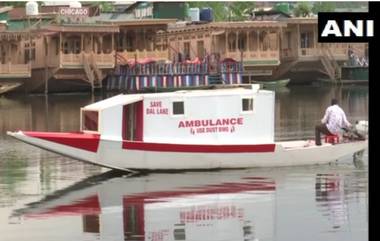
(194, 129)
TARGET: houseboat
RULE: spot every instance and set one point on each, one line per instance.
(198, 129)
(59, 52)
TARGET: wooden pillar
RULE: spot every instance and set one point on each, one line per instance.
(46, 67)
(60, 41)
(113, 42)
(144, 41)
(136, 40)
(81, 43)
(237, 41)
(248, 40)
(212, 46)
(258, 45)
(315, 32)
(8, 56)
(226, 42)
(298, 39)
(92, 43)
(101, 44)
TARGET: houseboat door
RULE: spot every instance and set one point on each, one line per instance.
(133, 121)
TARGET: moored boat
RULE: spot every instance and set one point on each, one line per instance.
(195, 129)
(8, 86)
(281, 83)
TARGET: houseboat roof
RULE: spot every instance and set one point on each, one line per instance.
(93, 28)
(139, 22)
(302, 20)
(225, 25)
(131, 98)
(12, 35)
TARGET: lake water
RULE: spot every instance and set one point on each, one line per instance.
(47, 197)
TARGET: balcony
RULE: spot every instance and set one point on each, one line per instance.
(75, 61)
(271, 57)
(156, 55)
(338, 52)
(15, 70)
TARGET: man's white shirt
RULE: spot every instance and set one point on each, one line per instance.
(335, 119)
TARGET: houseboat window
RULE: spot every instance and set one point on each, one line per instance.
(253, 41)
(307, 40)
(264, 40)
(289, 40)
(232, 42)
(186, 50)
(2, 56)
(76, 44)
(178, 108)
(130, 41)
(247, 104)
(242, 42)
(89, 120)
(200, 49)
(65, 47)
(29, 52)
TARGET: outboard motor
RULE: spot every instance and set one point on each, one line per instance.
(362, 127)
(359, 131)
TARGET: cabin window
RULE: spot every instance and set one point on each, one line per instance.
(200, 49)
(76, 46)
(186, 50)
(131, 41)
(178, 108)
(29, 52)
(253, 41)
(289, 40)
(65, 47)
(242, 42)
(232, 42)
(247, 104)
(307, 40)
(89, 120)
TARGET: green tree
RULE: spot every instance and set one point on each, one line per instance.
(240, 10)
(227, 11)
(323, 7)
(302, 9)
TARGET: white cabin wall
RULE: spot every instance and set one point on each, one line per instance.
(110, 124)
(264, 117)
(257, 127)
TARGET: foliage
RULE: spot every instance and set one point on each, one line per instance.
(302, 10)
(225, 11)
(323, 7)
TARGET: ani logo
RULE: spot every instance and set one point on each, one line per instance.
(345, 27)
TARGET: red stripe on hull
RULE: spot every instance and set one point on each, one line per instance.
(88, 142)
(164, 147)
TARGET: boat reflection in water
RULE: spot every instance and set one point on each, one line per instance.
(254, 204)
(155, 207)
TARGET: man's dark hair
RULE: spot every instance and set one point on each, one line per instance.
(334, 101)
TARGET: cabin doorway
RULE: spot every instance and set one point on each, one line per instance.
(133, 121)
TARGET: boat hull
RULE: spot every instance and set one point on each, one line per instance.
(126, 155)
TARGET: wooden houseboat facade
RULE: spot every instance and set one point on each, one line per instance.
(72, 56)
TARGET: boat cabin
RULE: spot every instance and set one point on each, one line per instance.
(220, 116)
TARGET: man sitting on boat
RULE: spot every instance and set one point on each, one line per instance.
(333, 121)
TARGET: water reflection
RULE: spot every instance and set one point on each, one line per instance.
(298, 111)
(226, 205)
(334, 192)
(137, 208)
